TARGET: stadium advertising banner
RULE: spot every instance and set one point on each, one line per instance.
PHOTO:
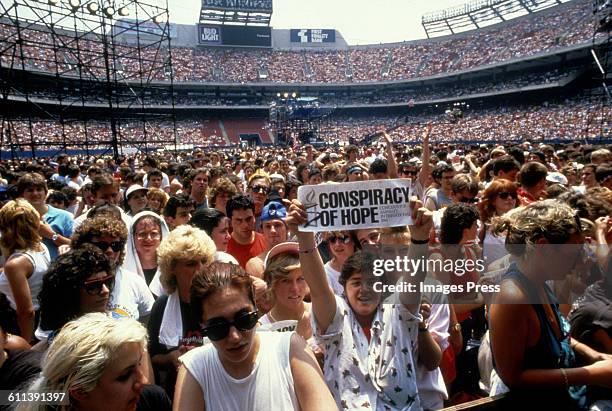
(210, 34)
(250, 36)
(239, 5)
(132, 27)
(313, 36)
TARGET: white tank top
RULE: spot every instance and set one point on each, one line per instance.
(268, 387)
(40, 260)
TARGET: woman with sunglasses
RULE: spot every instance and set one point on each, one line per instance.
(499, 198)
(77, 283)
(26, 261)
(172, 327)
(146, 233)
(342, 245)
(370, 346)
(131, 295)
(243, 369)
(530, 341)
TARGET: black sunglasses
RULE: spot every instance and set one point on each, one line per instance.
(94, 287)
(343, 238)
(260, 189)
(243, 321)
(116, 246)
(469, 200)
(504, 195)
(410, 172)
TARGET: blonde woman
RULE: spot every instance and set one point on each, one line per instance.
(286, 290)
(98, 362)
(172, 327)
(26, 261)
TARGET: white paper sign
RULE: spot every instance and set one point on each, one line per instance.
(357, 205)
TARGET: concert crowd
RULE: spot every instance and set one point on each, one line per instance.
(187, 280)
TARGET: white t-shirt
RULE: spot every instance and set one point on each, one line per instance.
(269, 386)
(131, 296)
(333, 277)
(40, 261)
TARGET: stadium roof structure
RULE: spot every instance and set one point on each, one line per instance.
(236, 12)
(480, 13)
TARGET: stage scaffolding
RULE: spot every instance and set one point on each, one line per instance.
(82, 75)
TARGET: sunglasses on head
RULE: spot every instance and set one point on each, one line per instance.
(243, 321)
(342, 238)
(504, 195)
(94, 287)
(116, 246)
(260, 189)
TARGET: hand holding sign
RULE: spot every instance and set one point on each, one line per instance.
(296, 215)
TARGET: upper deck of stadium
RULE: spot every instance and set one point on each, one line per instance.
(561, 27)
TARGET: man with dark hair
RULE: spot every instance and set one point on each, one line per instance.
(150, 163)
(178, 210)
(379, 169)
(589, 179)
(351, 152)
(154, 179)
(198, 179)
(245, 243)
(533, 182)
(443, 175)
(505, 167)
(105, 189)
(603, 175)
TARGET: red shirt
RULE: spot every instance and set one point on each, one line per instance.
(244, 252)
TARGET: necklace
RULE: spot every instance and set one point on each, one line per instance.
(275, 320)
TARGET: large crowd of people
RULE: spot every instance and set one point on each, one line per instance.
(546, 31)
(185, 280)
(572, 119)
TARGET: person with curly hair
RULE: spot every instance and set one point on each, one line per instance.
(26, 261)
(220, 193)
(530, 339)
(78, 282)
(131, 296)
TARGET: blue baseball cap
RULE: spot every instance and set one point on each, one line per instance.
(273, 211)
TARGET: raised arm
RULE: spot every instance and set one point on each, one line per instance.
(425, 168)
(323, 300)
(391, 161)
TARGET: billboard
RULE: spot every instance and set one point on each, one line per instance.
(312, 36)
(239, 5)
(132, 27)
(209, 34)
(251, 36)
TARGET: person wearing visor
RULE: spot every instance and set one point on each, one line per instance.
(135, 199)
(356, 173)
(243, 369)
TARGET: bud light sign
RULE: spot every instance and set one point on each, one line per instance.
(313, 36)
(210, 34)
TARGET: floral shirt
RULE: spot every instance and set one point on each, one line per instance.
(377, 375)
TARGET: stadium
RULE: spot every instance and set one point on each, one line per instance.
(88, 77)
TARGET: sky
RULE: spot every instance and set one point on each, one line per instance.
(359, 21)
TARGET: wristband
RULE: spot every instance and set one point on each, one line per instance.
(413, 241)
(310, 250)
